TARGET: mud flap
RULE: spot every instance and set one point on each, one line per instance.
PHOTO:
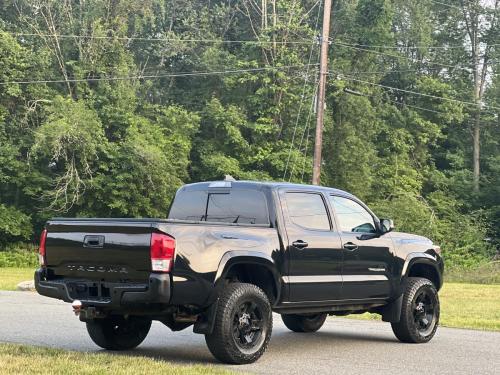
(206, 321)
(392, 312)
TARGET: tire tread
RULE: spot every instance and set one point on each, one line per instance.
(218, 341)
(402, 329)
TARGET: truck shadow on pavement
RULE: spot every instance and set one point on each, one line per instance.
(190, 352)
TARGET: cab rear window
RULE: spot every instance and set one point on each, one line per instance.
(243, 206)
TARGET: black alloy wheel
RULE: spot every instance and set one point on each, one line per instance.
(424, 312)
(249, 329)
(243, 324)
(420, 312)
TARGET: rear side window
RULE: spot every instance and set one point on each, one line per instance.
(233, 206)
(189, 205)
(307, 210)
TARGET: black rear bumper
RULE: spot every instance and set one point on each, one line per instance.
(106, 294)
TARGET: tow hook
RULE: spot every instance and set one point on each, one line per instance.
(77, 307)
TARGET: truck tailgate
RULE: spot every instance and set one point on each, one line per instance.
(107, 249)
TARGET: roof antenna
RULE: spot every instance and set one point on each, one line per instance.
(228, 177)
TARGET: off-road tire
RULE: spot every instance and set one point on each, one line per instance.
(407, 329)
(222, 342)
(118, 333)
(303, 323)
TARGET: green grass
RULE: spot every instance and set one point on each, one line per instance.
(470, 306)
(488, 273)
(10, 277)
(20, 359)
(463, 305)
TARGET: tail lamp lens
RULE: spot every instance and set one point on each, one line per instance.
(41, 250)
(162, 252)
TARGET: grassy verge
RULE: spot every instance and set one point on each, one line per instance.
(11, 276)
(488, 273)
(20, 359)
(463, 305)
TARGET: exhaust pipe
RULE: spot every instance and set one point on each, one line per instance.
(77, 307)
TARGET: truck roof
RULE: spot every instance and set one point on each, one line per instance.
(269, 184)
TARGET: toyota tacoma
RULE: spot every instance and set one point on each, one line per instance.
(228, 255)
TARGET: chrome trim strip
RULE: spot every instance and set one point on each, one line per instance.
(332, 278)
(358, 278)
(376, 269)
(313, 279)
(179, 278)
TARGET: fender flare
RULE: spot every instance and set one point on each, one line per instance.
(421, 258)
(234, 257)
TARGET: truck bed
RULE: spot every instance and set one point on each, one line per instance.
(101, 251)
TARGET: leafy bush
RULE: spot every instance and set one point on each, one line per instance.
(19, 255)
(14, 224)
(438, 217)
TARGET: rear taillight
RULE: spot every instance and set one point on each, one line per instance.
(162, 252)
(41, 250)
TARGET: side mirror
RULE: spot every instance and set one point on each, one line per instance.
(387, 225)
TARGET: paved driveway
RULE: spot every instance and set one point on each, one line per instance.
(342, 346)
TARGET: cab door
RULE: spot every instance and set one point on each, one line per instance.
(314, 248)
(368, 256)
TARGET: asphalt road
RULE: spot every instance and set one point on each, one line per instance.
(342, 346)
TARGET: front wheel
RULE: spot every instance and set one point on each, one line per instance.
(419, 313)
(243, 325)
(118, 333)
(303, 323)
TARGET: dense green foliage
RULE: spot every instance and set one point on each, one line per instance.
(19, 257)
(122, 127)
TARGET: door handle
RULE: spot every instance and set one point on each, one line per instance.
(299, 244)
(350, 246)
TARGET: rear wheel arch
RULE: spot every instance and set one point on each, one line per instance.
(251, 268)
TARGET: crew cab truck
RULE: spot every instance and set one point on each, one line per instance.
(232, 252)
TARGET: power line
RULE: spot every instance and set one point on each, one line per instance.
(395, 71)
(306, 129)
(306, 79)
(349, 78)
(408, 47)
(153, 39)
(445, 4)
(398, 56)
(418, 107)
(181, 74)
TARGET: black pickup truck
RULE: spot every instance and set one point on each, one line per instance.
(232, 252)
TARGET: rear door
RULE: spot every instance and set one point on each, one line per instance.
(314, 248)
(367, 255)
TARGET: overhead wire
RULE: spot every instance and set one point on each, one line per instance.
(397, 56)
(350, 78)
(306, 80)
(410, 47)
(307, 129)
(445, 4)
(167, 75)
(157, 39)
(311, 106)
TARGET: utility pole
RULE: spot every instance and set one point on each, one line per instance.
(320, 103)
